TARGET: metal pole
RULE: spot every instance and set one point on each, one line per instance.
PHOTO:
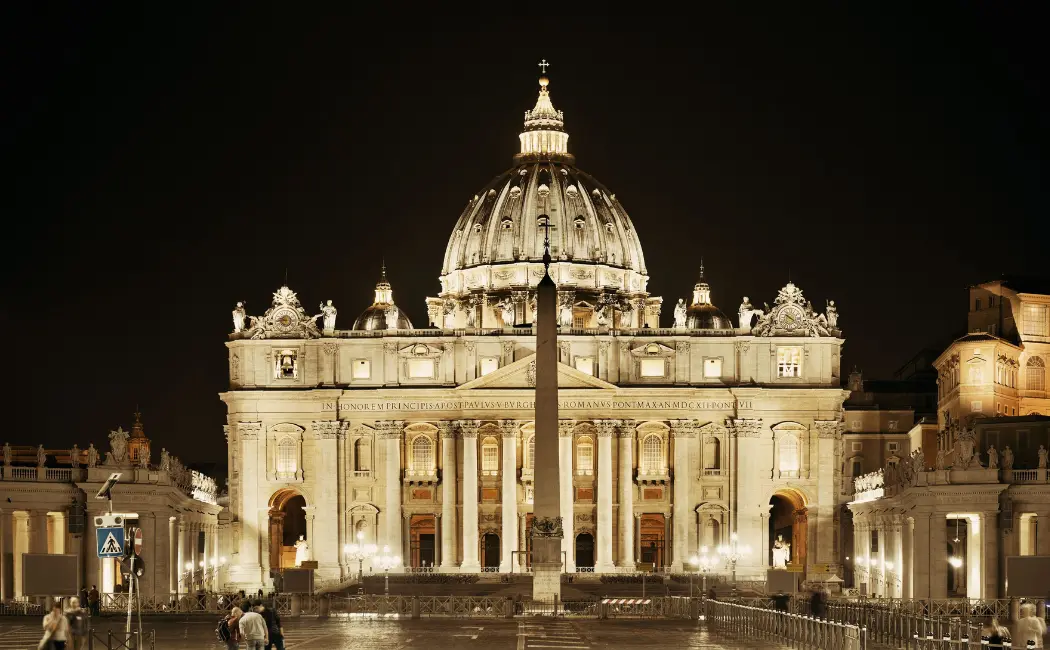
(386, 580)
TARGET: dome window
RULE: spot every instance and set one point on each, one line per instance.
(594, 193)
(571, 190)
(543, 190)
(578, 222)
(492, 192)
(609, 227)
(506, 224)
(515, 192)
(477, 227)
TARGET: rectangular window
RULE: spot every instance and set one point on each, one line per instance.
(789, 362)
(857, 471)
(713, 368)
(585, 364)
(893, 447)
(421, 368)
(975, 406)
(977, 305)
(585, 459)
(490, 458)
(1035, 320)
(651, 367)
(362, 369)
(488, 364)
(858, 446)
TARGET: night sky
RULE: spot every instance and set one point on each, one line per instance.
(167, 161)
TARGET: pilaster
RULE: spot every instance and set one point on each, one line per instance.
(469, 432)
(509, 536)
(604, 561)
(448, 495)
(626, 484)
(568, 498)
(390, 434)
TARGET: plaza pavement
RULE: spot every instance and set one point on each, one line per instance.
(197, 633)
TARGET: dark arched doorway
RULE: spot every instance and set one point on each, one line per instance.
(287, 523)
(490, 551)
(788, 523)
(584, 551)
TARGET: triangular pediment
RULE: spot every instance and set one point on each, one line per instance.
(522, 374)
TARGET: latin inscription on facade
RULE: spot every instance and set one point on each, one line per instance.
(568, 404)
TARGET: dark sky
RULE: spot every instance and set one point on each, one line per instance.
(167, 161)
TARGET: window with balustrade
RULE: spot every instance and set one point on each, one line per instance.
(423, 454)
(362, 455)
(789, 456)
(585, 456)
(652, 455)
(1035, 374)
(1035, 320)
(489, 456)
(287, 457)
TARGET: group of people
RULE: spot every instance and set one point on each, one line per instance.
(255, 625)
(66, 626)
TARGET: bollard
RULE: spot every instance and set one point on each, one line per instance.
(556, 599)
(297, 605)
(324, 606)
(415, 608)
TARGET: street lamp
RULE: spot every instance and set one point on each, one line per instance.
(359, 551)
(386, 560)
(732, 554)
(703, 563)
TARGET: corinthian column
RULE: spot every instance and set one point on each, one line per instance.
(683, 431)
(565, 428)
(604, 557)
(390, 433)
(448, 495)
(509, 538)
(469, 428)
(626, 495)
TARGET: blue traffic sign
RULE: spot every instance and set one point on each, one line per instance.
(110, 541)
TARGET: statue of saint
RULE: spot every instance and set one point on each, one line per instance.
(506, 307)
(680, 314)
(328, 313)
(472, 316)
(74, 457)
(565, 318)
(781, 553)
(302, 551)
(746, 310)
(41, 456)
(1008, 458)
(238, 317)
(118, 443)
(92, 455)
(627, 316)
(917, 461)
(940, 459)
(1042, 457)
(392, 315)
(601, 315)
(165, 460)
(993, 458)
(833, 314)
(144, 457)
(7, 454)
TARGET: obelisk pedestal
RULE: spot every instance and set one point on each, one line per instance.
(547, 525)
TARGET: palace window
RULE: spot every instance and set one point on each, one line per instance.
(585, 456)
(362, 369)
(585, 364)
(1035, 374)
(788, 453)
(789, 362)
(488, 364)
(422, 454)
(1035, 319)
(421, 368)
(652, 455)
(977, 305)
(286, 457)
(713, 368)
(489, 456)
(893, 447)
(651, 367)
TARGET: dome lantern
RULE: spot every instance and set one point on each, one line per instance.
(544, 137)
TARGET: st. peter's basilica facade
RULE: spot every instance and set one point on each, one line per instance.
(671, 437)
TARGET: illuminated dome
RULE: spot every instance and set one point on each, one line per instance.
(383, 314)
(702, 315)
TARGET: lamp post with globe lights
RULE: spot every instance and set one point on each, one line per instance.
(733, 553)
(386, 560)
(359, 551)
(704, 563)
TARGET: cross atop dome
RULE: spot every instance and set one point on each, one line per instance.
(543, 66)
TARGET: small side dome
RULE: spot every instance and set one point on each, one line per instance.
(383, 314)
(703, 315)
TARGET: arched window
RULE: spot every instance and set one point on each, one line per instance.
(489, 456)
(652, 455)
(1035, 374)
(712, 450)
(530, 453)
(788, 453)
(585, 456)
(422, 454)
(362, 455)
(287, 457)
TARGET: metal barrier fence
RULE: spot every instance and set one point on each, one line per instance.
(794, 629)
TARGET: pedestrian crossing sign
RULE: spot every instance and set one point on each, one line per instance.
(110, 541)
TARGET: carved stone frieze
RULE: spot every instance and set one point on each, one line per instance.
(828, 428)
(510, 428)
(468, 428)
(328, 429)
(249, 430)
(329, 348)
(547, 527)
(607, 428)
(565, 428)
(747, 427)
(683, 428)
(389, 429)
(285, 319)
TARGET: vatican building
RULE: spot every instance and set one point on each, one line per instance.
(680, 425)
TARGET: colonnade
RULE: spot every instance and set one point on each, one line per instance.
(190, 563)
(36, 530)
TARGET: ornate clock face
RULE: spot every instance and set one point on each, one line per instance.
(790, 318)
(285, 319)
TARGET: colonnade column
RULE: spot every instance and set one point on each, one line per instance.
(38, 531)
(448, 495)
(469, 429)
(216, 583)
(181, 562)
(988, 550)
(173, 555)
(391, 433)
(7, 540)
(509, 537)
(604, 538)
(880, 530)
(567, 501)
(682, 431)
(907, 560)
(626, 479)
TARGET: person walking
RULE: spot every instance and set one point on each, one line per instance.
(997, 634)
(56, 629)
(232, 620)
(94, 600)
(253, 630)
(79, 624)
(1030, 627)
(273, 626)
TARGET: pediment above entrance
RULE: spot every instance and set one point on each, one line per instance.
(522, 374)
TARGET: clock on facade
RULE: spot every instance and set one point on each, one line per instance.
(790, 318)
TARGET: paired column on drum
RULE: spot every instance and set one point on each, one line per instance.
(604, 557)
(448, 495)
(469, 430)
(683, 432)
(568, 541)
(509, 538)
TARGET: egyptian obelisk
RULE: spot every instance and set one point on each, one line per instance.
(547, 525)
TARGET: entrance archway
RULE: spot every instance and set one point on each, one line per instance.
(788, 521)
(584, 551)
(652, 533)
(287, 523)
(421, 530)
(490, 550)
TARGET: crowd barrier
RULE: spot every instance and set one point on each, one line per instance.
(793, 629)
